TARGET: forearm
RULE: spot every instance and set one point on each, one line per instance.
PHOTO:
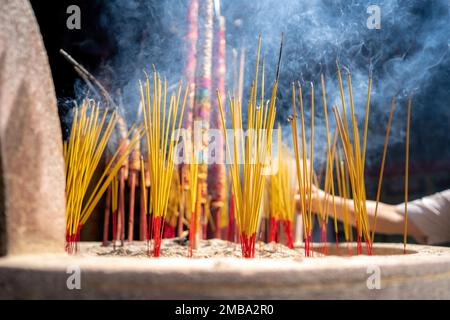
(388, 221)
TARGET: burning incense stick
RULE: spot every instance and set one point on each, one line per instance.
(354, 179)
(408, 122)
(366, 121)
(255, 149)
(383, 159)
(311, 160)
(88, 139)
(301, 169)
(340, 177)
(160, 126)
(329, 161)
(121, 125)
(111, 170)
(354, 158)
(87, 76)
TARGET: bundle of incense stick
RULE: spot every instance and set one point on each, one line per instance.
(354, 156)
(161, 119)
(355, 159)
(253, 150)
(89, 135)
(283, 190)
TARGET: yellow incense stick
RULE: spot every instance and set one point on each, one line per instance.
(408, 122)
(254, 149)
(304, 161)
(88, 139)
(299, 170)
(143, 186)
(160, 127)
(311, 158)
(383, 159)
(355, 156)
(330, 154)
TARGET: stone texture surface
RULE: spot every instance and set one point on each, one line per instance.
(424, 274)
(30, 138)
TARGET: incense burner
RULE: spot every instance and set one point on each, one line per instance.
(33, 263)
(424, 273)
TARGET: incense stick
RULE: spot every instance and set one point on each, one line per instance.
(255, 149)
(408, 122)
(354, 160)
(303, 174)
(144, 203)
(80, 69)
(311, 161)
(193, 193)
(297, 161)
(383, 159)
(160, 129)
(330, 157)
(88, 139)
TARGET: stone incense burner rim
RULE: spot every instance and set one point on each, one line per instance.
(425, 274)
